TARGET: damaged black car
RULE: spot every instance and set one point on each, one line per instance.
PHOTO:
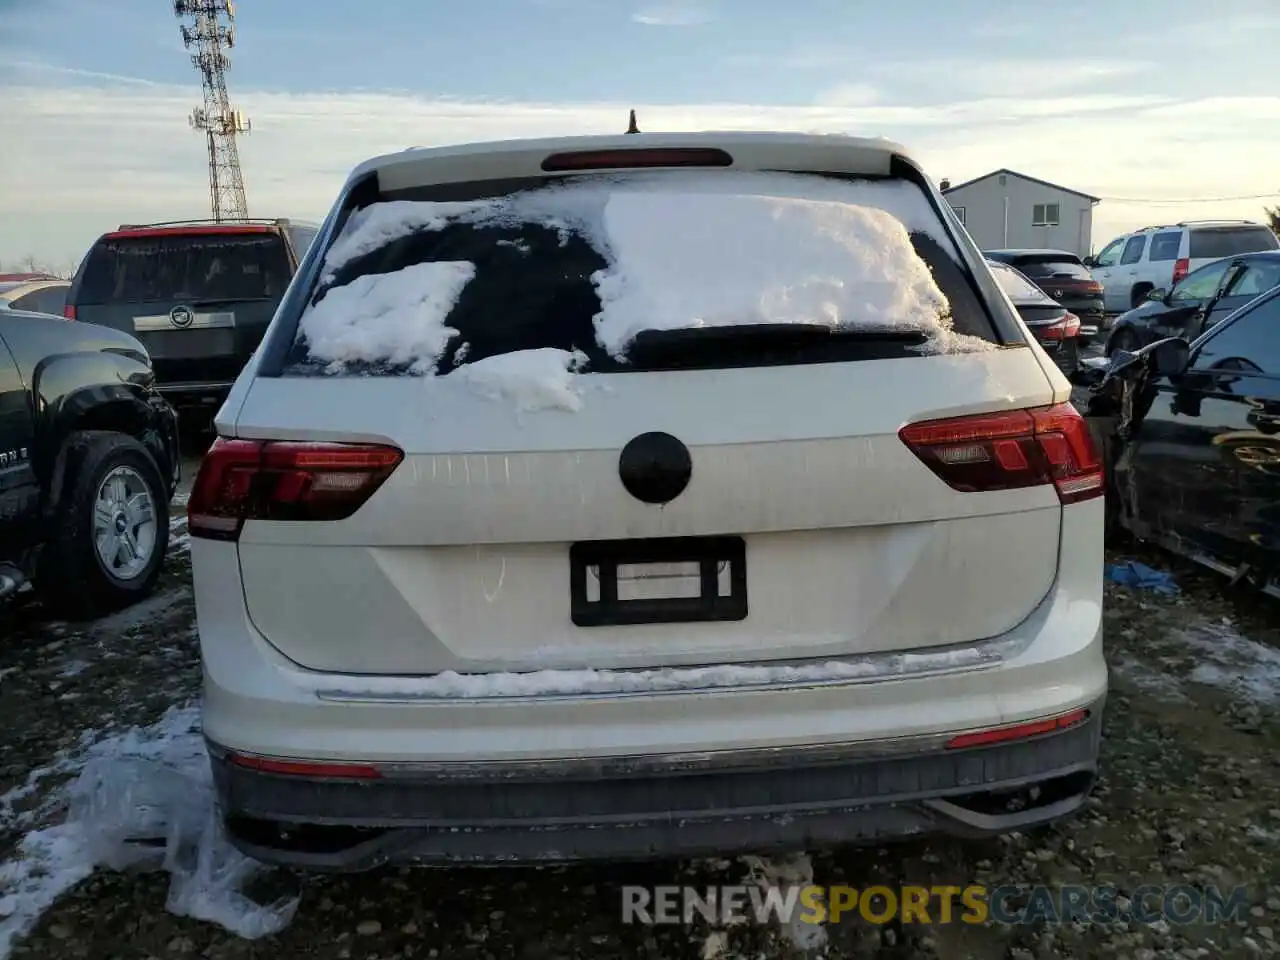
(1191, 432)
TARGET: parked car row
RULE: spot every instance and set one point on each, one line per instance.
(1196, 468)
(1158, 258)
(1055, 328)
(168, 314)
(34, 294)
(432, 630)
(1197, 302)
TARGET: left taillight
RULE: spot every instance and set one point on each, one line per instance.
(1064, 329)
(1011, 450)
(243, 480)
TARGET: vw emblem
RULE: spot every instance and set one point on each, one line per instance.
(181, 317)
(1057, 294)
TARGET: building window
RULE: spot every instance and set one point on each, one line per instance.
(1044, 215)
(959, 213)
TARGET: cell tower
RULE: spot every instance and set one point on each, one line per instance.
(212, 40)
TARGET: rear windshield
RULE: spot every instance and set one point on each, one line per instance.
(1215, 243)
(1019, 289)
(1062, 268)
(589, 267)
(185, 268)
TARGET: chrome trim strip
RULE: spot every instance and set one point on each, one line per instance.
(193, 385)
(450, 689)
(199, 321)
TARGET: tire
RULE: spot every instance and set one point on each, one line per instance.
(111, 470)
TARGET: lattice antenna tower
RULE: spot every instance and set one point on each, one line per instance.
(210, 29)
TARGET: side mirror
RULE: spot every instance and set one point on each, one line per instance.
(1159, 295)
(1089, 261)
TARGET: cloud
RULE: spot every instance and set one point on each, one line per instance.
(92, 157)
(850, 95)
(997, 77)
(39, 67)
(678, 14)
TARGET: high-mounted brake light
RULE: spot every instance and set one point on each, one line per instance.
(1181, 268)
(243, 480)
(202, 230)
(1011, 450)
(306, 768)
(636, 158)
(1018, 731)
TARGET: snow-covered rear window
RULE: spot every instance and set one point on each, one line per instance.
(640, 272)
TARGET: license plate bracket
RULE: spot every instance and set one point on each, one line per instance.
(715, 566)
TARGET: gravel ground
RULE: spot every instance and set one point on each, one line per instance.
(1190, 793)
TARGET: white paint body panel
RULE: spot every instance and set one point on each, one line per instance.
(257, 701)
(460, 561)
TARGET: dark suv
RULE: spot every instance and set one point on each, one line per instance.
(199, 295)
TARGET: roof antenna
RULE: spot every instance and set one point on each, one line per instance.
(631, 127)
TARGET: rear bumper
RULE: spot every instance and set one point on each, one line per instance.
(533, 777)
(738, 801)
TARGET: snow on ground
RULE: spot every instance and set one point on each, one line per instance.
(140, 799)
(395, 318)
(793, 871)
(1212, 654)
(684, 250)
(1159, 683)
(1245, 668)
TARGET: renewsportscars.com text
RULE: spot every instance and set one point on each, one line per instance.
(975, 904)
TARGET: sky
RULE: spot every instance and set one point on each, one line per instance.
(1150, 100)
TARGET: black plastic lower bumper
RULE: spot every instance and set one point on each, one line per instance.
(599, 810)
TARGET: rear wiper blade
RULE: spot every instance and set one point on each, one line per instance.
(762, 335)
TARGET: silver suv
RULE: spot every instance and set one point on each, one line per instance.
(1154, 258)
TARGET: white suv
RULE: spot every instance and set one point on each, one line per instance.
(645, 494)
(1155, 258)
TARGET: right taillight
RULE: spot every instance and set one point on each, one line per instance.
(69, 311)
(243, 480)
(1010, 450)
(1181, 268)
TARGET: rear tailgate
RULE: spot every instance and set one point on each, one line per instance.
(198, 298)
(461, 560)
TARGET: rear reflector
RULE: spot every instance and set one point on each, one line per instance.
(1019, 731)
(243, 480)
(635, 158)
(1011, 450)
(306, 768)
